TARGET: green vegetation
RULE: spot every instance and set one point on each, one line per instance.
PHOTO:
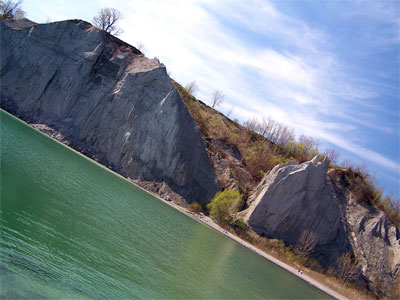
(195, 207)
(267, 143)
(224, 205)
(263, 145)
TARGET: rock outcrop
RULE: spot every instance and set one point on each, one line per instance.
(107, 100)
(295, 197)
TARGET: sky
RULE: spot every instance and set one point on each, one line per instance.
(328, 69)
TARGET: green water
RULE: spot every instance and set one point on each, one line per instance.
(72, 229)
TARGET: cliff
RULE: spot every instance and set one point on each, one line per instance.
(295, 197)
(102, 97)
(105, 99)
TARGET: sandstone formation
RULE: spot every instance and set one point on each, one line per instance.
(295, 197)
(107, 100)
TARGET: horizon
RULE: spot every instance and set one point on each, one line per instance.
(324, 69)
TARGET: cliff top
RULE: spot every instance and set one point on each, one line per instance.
(19, 24)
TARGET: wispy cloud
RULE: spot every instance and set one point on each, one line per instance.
(270, 62)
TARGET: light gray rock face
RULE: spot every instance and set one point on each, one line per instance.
(376, 243)
(295, 197)
(287, 197)
(107, 100)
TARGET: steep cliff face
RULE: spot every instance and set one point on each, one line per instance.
(105, 98)
(376, 242)
(295, 197)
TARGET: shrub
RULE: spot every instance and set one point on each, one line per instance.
(346, 268)
(305, 244)
(195, 207)
(239, 226)
(224, 205)
(364, 189)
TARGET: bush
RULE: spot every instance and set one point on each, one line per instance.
(195, 207)
(239, 226)
(364, 189)
(224, 205)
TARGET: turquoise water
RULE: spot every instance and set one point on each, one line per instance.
(72, 229)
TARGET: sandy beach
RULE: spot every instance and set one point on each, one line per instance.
(209, 222)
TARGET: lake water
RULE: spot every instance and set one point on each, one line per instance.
(72, 229)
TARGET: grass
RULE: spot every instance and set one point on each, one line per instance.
(311, 267)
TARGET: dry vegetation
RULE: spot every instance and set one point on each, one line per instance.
(364, 189)
(287, 254)
(262, 144)
(265, 144)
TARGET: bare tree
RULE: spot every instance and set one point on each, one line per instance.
(332, 155)
(140, 46)
(107, 20)
(192, 88)
(229, 112)
(310, 145)
(264, 126)
(10, 9)
(217, 99)
(306, 243)
(251, 124)
(346, 268)
(285, 135)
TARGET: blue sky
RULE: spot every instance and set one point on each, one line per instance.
(328, 69)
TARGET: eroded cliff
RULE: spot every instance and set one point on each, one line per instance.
(104, 98)
(295, 197)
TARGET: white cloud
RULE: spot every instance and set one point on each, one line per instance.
(286, 70)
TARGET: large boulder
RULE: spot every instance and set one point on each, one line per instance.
(107, 100)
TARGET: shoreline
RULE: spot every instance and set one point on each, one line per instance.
(210, 223)
(200, 218)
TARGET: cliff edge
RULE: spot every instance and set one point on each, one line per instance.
(295, 197)
(104, 98)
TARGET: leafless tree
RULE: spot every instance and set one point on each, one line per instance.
(140, 46)
(10, 9)
(309, 144)
(285, 135)
(346, 268)
(306, 243)
(251, 124)
(107, 20)
(192, 88)
(217, 99)
(229, 112)
(332, 155)
(265, 126)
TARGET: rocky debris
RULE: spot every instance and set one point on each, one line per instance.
(104, 98)
(376, 243)
(161, 189)
(229, 165)
(295, 197)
